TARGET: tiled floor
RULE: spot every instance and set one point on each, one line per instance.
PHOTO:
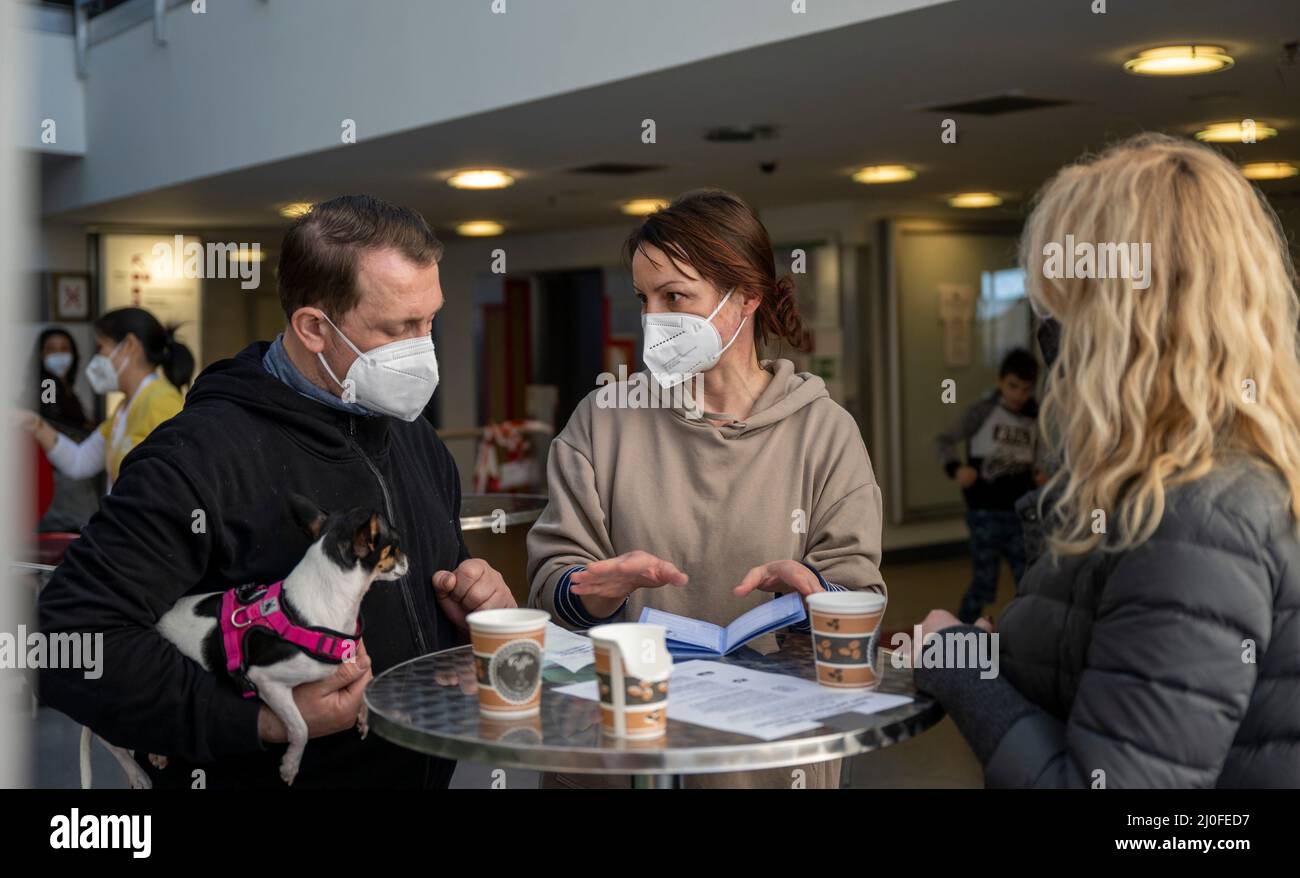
(937, 758)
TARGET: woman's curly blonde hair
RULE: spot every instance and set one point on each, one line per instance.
(1152, 385)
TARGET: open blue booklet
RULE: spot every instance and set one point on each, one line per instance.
(692, 638)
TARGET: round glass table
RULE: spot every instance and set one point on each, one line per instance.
(430, 704)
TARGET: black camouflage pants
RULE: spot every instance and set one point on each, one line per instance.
(994, 534)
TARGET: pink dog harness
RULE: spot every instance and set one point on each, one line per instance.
(251, 608)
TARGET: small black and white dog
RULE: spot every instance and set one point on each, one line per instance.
(350, 550)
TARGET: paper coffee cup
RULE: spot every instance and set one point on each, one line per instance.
(508, 654)
(632, 670)
(845, 634)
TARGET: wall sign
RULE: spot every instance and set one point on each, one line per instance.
(71, 297)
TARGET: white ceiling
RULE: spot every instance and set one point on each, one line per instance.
(839, 99)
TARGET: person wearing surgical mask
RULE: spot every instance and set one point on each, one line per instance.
(751, 482)
(55, 372)
(330, 409)
(137, 357)
(51, 394)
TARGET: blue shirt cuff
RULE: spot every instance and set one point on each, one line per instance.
(827, 585)
(569, 608)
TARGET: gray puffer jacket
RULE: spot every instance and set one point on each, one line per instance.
(1175, 664)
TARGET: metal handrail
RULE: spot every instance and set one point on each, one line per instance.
(33, 567)
(81, 34)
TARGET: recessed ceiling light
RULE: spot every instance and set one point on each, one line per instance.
(1269, 170)
(642, 206)
(481, 178)
(295, 209)
(246, 254)
(975, 199)
(480, 228)
(1245, 131)
(884, 174)
(1179, 61)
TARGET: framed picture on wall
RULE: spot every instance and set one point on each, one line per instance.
(70, 297)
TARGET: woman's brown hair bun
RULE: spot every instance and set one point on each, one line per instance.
(783, 316)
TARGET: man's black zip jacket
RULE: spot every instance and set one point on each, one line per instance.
(201, 506)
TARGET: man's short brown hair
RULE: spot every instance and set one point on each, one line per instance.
(318, 258)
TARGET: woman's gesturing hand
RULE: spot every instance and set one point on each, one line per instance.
(605, 584)
(780, 576)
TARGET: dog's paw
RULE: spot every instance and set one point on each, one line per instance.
(363, 722)
(288, 770)
(158, 762)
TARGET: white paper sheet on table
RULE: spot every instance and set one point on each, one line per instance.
(568, 650)
(756, 703)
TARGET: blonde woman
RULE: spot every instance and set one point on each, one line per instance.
(1157, 641)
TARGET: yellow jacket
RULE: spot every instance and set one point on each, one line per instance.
(154, 403)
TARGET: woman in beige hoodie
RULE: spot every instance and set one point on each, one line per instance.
(754, 482)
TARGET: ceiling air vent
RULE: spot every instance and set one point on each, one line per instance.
(615, 169)
(998, 105)
(732, 134)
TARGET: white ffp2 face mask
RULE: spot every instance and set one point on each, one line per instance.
(396, 379)
(678, 346)
(102, 374)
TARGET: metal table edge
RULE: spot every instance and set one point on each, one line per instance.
(832, 746)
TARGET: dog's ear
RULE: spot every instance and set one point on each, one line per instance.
(366, 537)
(307, 515)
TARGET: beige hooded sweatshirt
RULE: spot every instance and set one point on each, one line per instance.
(792, 481)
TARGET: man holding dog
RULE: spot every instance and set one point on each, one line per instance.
(330, 410)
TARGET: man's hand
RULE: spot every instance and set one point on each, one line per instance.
(781, 577)
(966, 475)
(472, 586)
(330, 705)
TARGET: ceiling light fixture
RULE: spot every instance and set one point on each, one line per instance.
(1269, 170)
(884, 174)
(295, 209)
(975, 199)
(480, 178)
(1245, 131)
(642, 206)
(1179, 61)
(480, 228)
